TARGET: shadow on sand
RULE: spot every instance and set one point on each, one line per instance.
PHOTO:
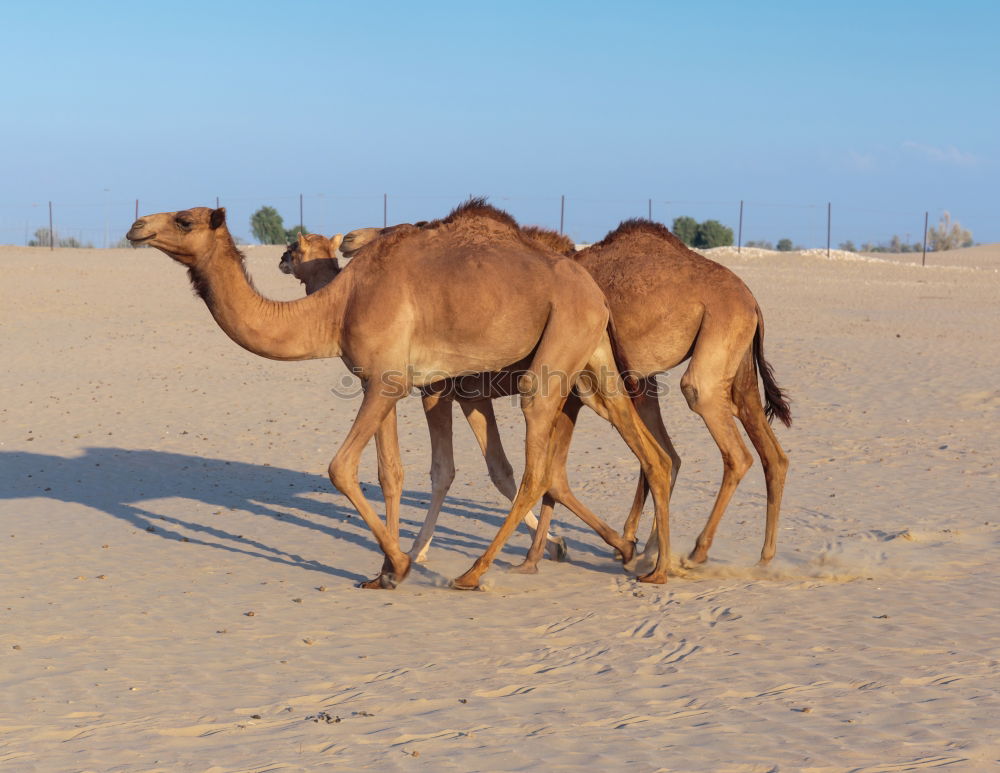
(117, 481)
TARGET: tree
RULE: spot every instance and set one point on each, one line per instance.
(762, 244)
(686, 229)
(293, 233)
(785, 245)
(267, 226)
(948, 235)
(847, 246)
(712, 233)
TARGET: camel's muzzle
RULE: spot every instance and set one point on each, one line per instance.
(135, 233)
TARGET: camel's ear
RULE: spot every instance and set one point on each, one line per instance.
(302, 239)
(217, 218)
(335, 241)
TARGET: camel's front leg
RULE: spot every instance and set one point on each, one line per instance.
(390, 475)
(483, 423)
(437, 411)
(375, 406)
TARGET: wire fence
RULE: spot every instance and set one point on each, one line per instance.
(103, 221)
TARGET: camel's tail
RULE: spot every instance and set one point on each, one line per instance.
(631, 382)
(775, 401)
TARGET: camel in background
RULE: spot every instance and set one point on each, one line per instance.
(669, 304)
(315, 272)
(466, 294)
(312, 259)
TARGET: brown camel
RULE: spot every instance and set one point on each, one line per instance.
(315, 272)
(312, 259)
(466, 294)
(669, 304)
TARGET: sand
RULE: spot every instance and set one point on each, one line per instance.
(177, 572)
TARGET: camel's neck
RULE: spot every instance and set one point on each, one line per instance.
(317, 274)
(305, 329)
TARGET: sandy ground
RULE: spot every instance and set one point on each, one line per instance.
(177, 572)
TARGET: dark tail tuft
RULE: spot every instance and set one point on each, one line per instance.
(775, 401)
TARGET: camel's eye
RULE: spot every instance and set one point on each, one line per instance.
(183, 223)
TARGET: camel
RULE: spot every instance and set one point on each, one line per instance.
(463, 295)
(315, 273)
(670, 304)
(312, 259)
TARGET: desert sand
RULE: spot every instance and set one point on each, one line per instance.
(176, 586)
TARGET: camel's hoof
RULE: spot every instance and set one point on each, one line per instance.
(697, 556)
(557, 549)
(459, 584)
(525, 567)
(621, 555)
(657, 578)
(764, 561)
(382, 582)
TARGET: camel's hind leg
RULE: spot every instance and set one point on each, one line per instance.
(437, 412)
(750, 410)
(571, 332)
(541, 400)
(612, 401)
(707, 387)
(483, 423)
(534, 555)
(649, 412)
(559, 491)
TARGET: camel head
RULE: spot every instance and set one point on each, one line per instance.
(308, 247)
(185, 236)
(359, 237)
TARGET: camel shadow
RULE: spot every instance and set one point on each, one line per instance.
(119, 481)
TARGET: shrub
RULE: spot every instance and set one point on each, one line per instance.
(44, 239)
(712, 233)
(785, 245)
(686, 229)
(948, 235)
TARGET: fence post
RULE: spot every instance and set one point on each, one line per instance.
(739, 239)
(650, 209)
(52, 233)
(385, 210)
(923, 257)
(829, 207)
(301, 221)
(137, 209)
(562, 212)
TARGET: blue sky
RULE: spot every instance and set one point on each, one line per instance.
(885, 109)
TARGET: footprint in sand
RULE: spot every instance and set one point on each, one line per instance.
(718, 615)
